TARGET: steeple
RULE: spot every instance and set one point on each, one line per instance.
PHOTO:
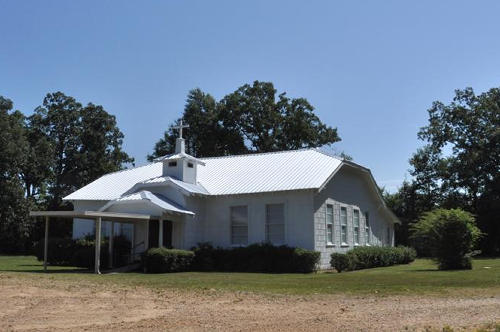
(181, 165)
(180, 144)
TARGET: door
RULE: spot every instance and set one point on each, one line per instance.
(167, 233)
(154, 232)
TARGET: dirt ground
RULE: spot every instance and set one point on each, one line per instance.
(48, 305)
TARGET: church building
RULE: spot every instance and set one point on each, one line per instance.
(302, 198)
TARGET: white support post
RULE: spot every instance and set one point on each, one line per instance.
(46, 244)
(110, 247)
(97, 245)
(160, 233)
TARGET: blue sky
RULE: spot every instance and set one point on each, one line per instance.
(371, 69)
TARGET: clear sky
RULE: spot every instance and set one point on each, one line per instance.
(371, 68)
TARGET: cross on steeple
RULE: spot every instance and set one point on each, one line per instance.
(179, 127)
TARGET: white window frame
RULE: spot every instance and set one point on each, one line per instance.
(356, 231)
(231, 226)
(329, 231)
(367, 229)
(266, 230)
(343, 227)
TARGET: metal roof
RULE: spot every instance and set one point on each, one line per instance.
(188, 187)
(93, 215)
(180, 155)
(265, 172)
(159, 200)
(244, 174)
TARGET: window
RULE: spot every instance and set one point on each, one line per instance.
(275, 223)
(329, 224)
(367, 228)
(355, 217)
(172, 164)
(343, 225)
(239, 225)
(190, 165)
(389, 242)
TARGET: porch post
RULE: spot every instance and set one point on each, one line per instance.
(46, 244)
(160, 233)
(111, 242)
(97, 245)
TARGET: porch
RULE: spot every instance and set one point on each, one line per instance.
(155, 230)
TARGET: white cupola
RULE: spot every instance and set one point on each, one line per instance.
(181, 165)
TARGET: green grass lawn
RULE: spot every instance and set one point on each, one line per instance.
(420, 277)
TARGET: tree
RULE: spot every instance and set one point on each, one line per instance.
(58, 121)
(451, 236)
(251, 119)
(78, 145)
(15, 224)
(60, 148)
(408, 204)
(459, 167)
(100, 150)
(274, 125)
(206, 136)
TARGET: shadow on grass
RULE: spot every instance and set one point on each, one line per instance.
(38, 268)
(49, 270)
(425, 270)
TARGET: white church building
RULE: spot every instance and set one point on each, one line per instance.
(303, 198)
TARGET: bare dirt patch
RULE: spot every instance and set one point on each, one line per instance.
(48, 305)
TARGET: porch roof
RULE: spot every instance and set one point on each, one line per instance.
(118, 216)
(155, 199)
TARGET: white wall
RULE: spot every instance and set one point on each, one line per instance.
(350, 188)
(298, 217)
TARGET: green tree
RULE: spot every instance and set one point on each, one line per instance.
(78, 145)
(15, 225)
(206, 136)
(58, 121)
(251, 119)
(408, 204)
(100, 151)
(274, 123)
(459, 167)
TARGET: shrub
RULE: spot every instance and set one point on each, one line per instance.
(451, 235)
(305, 261)
(261, 257)
(59, 251)
(370, 257)
(162, 260)
(81, 252)
(339, 262)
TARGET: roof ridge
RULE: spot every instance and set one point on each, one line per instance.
(126, 169)
(259, 153)
(326, 153)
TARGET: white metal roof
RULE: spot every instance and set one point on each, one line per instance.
(113, 185)
(265, 172)
(180, 155)
(188, 187)
(156, 199)
(252, 173)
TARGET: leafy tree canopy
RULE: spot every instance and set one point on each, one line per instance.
(71, 145)
(15, 225)
(459, 167)
(60, 148)
(251, 119)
